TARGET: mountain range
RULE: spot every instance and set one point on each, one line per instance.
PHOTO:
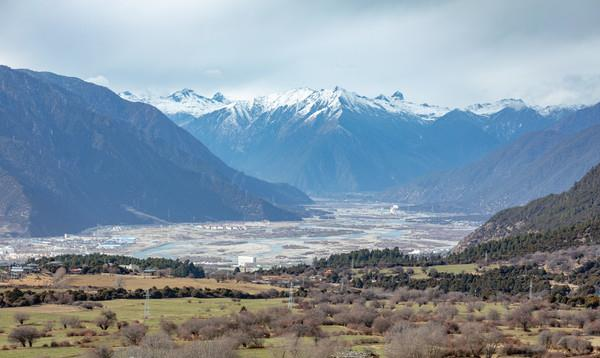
(75, 155)
(536, 164)
(334, 140)
(572, 217)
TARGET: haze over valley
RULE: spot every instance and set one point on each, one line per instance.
(299, 179)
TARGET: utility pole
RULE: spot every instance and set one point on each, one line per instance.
(530, 289)
(147, 305)
(291, 296)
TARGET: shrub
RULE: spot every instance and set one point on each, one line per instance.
(133, 333)
(167, 326)
(24, 335)
(21, 317)
(106, 319)
(101, 352)
(429, 340)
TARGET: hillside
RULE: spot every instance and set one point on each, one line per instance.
(75, 155)
(536, 164)
(577, 207)
(335, 140)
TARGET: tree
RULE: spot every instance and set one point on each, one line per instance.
(106, 319)
(70, 321)
(167, 326)
(59, 274)
(21, 317)
(521, 316)
(101, 352)
(427, 341)
(492, 340)
(447, 311)
(24, 335)
(477, 338)
(134, 333)
(119, 282)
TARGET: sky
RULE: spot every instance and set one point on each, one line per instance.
(451, 53)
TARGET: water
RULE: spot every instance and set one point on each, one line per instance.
(354, 224)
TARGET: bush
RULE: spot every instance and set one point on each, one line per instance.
(429, 341)
(21, 317)
(101, 352)
(575, 345)
(592, 328)
(381, 325)
(167, 326)
(133, 333)
(106, 319)
(24, 335)
(70, 321)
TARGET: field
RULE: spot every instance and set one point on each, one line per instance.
(132, 282)
(177, 310)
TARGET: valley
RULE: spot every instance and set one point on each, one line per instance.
(345, 225)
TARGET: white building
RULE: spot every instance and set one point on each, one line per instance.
(244, 261)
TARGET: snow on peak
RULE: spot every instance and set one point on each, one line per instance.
(183, 101)
(397, 104)
(486, 109)
(307, 103)
(128, 95)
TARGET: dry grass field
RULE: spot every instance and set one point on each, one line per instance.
(131, 282)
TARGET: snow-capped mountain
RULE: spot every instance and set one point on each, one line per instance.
(187, 101)
(183, 101)
(325, 140)
(487, 109)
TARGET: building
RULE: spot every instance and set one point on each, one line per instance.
(246, 261)
(16, 272)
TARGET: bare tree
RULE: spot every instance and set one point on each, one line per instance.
(119, 282)
(21, 317)
(133, 333)
(298, 348)
(167, 326)
(447, 311)
(59, 275)
(521, 316)
(427, 341)
(70, 321)
(106, 319)
(220, 348)
(101, 352)
(493, 315)
(24, 335)
(381, 325)
(493, 338)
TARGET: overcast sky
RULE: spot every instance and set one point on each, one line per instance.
(451, 53)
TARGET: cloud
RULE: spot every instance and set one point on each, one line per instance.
(213, 72)
(449, 52)
(99, 80)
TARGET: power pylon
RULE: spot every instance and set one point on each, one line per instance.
(291, 296)
(147, 305)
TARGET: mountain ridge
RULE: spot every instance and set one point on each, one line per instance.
(74, 155)
(576, 206)
(536, 164)
(334, 140)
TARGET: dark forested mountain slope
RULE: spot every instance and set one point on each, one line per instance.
(578, 207)
(75, 155)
